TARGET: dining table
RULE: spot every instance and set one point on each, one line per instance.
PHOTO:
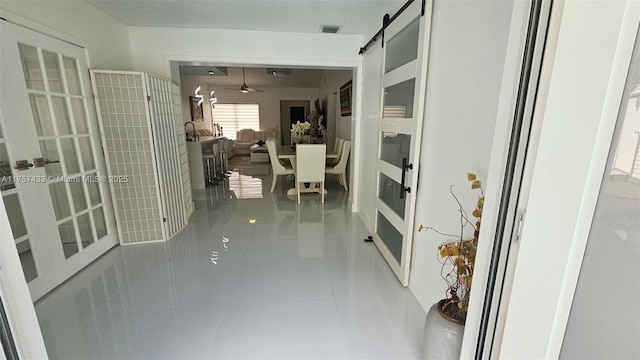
(289, 153)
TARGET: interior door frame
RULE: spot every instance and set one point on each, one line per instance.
(573, 205)
(510, 205)
(330, 119)
(285, 117)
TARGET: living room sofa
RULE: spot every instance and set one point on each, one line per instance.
(245, 138)
(230, 148)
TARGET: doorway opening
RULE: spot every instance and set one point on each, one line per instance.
(292, 111)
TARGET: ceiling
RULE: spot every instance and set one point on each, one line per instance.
(300, 16)
(255, 77)
(305, 16)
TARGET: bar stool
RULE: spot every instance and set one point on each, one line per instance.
(223, 157)
(210, 158)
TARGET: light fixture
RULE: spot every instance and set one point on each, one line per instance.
(279, 71)
(199, 96)
(212, 98)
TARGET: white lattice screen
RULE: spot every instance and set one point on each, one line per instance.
(182, 151)
(137, 119)
(167, 155)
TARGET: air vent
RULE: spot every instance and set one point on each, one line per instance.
(330, 29)
(278, 71)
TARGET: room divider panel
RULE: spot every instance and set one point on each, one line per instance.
(145, 153)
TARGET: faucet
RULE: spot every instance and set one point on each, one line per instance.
(195, 134)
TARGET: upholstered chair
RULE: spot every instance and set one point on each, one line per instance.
(341, 166)
(338, 151)
(310, 165)
(277, 167)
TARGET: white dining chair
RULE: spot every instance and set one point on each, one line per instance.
(337, 145)
(310, 165)
(337, 150)
(341, 167)
(277, 167)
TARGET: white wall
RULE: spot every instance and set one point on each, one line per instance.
(330, 84)
(153, 48)
(106, 39)
(588, 74)
(367, 143)
(268, 101)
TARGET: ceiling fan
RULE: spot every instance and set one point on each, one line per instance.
(244, 88)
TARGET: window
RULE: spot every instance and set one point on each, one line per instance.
(233, 117)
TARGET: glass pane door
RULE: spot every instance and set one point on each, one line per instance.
(13, 203)
(59, 115)
(402, 94)
(53, 128)
(614, 235)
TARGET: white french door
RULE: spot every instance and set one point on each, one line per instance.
(52, 166)
(404, 70)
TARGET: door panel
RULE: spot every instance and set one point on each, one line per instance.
(388, 191)
(402, 48)
(44, 95)
(398, 100)
(401, 116)
(614, 234)
(21, 336)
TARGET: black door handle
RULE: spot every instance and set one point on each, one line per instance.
(23, 165)
(405, 168)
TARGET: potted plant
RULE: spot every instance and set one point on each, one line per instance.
(458, 261)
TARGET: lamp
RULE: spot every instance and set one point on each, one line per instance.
(212, 98)
(199, 96)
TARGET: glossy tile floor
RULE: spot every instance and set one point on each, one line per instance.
(298, 283)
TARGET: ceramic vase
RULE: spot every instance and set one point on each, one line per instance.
(442, 335)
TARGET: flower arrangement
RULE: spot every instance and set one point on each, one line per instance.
(299, 129)
(458, 257)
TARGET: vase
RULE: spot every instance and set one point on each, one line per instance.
(442, 335)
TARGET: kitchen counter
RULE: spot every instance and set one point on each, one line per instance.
(196, 163)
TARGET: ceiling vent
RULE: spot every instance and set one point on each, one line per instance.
(202, 70)
(330, 29)
(278, 71)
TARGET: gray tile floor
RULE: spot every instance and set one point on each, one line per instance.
(298, 283)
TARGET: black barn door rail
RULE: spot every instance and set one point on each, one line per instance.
(386, 21)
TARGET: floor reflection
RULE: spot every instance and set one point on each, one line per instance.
(249, 277)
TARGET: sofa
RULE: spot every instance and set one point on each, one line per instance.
(229, 148)
(245, 138)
